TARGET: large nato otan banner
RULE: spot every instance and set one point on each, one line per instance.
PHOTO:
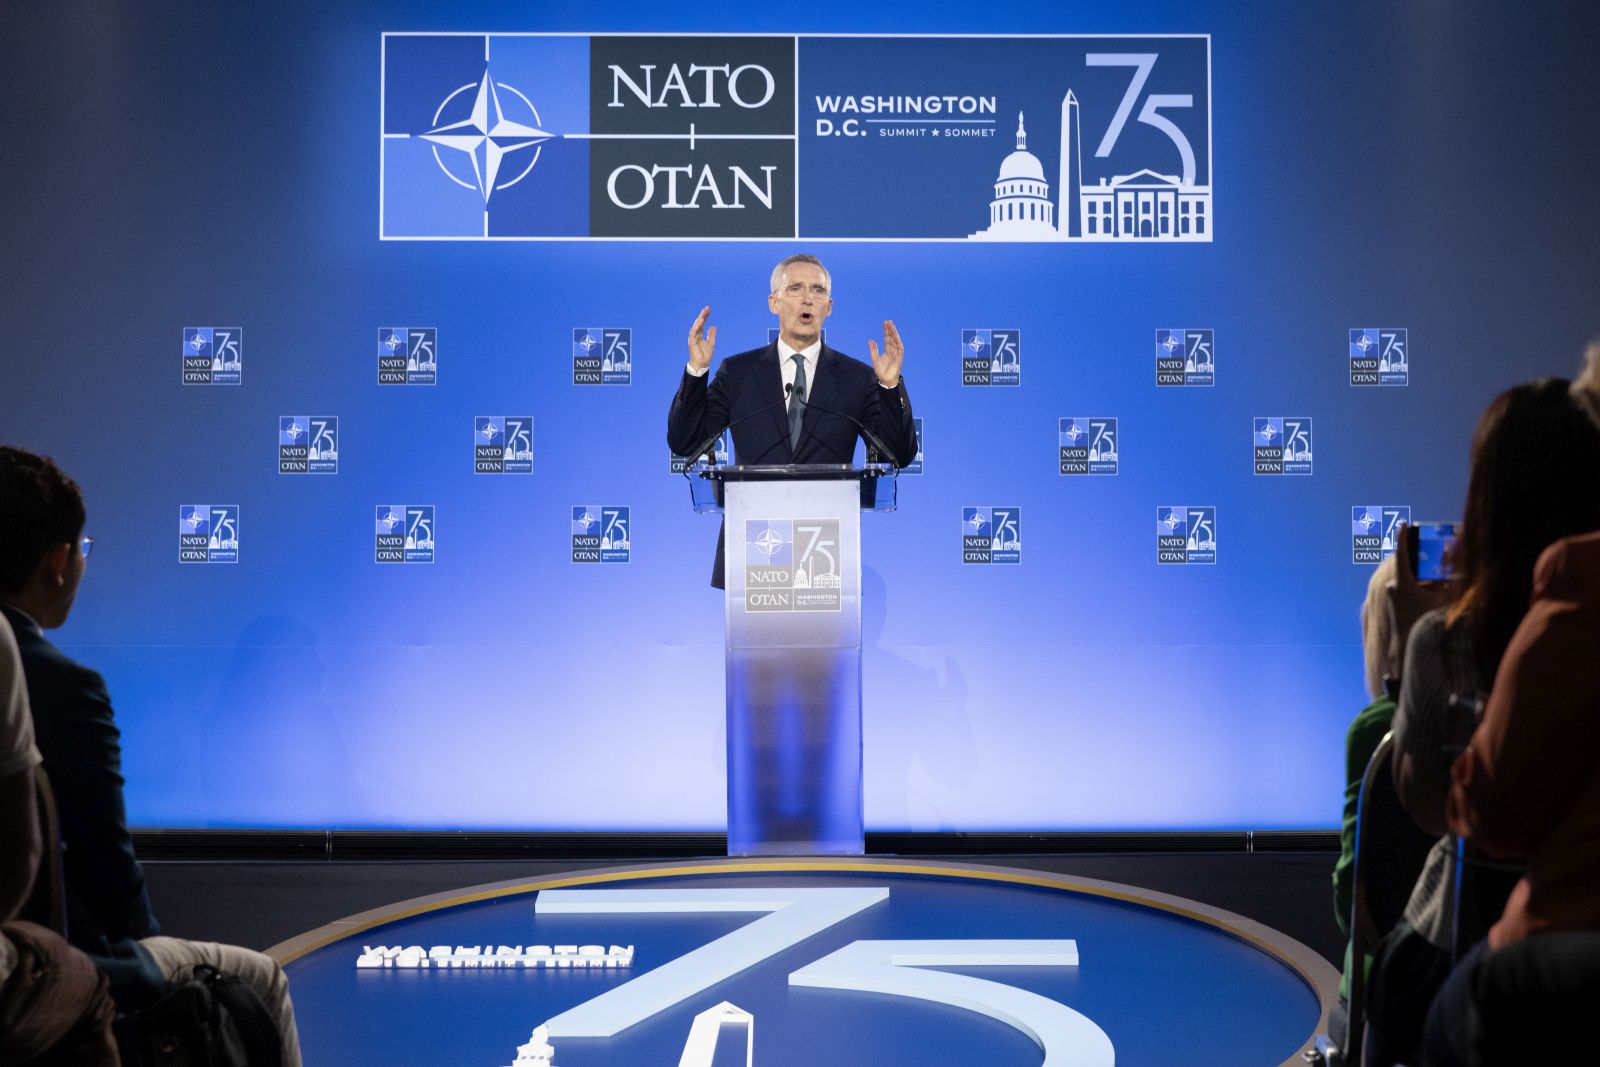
(538, 137)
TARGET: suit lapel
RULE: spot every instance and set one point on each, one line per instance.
(824, 384)
(772, 394)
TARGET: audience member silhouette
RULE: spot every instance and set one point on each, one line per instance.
(1533, 481)
(108, 909)
(55, 1007)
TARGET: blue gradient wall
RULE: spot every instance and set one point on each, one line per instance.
(1375, 164)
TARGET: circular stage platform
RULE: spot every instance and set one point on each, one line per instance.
(859, 962)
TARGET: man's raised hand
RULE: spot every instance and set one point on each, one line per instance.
(702, 344)
(886, 366)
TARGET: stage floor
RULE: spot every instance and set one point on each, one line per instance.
(1162, 981)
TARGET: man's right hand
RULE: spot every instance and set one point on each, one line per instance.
(701, 343)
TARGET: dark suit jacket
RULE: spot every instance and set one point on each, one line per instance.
(749, 382)
(106, 897)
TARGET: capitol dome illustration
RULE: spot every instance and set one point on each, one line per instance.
(1021, 209)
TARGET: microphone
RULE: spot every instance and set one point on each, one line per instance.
(873, 440)
(788, 388)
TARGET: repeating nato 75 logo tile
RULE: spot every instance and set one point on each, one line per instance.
(602, 355)
(720, 450)
(915, 466)
(1374, 529)
(308, 444)
(1380, 355)
(502, 444)
(1086, 445)
(1281, 445)
(1186, 534)
(404, 533)
(213, 355)
(991, 535)
(600, 534)
(991, 357)
(408, 355)
(1186, 357)
(208, 533)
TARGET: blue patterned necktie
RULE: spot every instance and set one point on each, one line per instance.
(797, 401)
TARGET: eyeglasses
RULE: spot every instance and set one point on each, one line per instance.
(796, 290)
(86, 545)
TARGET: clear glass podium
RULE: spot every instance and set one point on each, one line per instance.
(792, 568)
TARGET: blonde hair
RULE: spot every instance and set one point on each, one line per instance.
(803, 257)
(1376, 625)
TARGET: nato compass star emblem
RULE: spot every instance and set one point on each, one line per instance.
(1171, 343)
(486, 137)
(977, 522)
(1171, 521)
(1368, 521)
(977, 343)
(1364, 342)
(391, 520)
(586, 520)
(769, 542)
(588, 342)
(293, 430)
(1073, 432)
(1266, 431)
(488, 430)
(392, 342)
(198, 341)
(196, 518)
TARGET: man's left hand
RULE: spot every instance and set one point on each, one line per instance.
(887, 366)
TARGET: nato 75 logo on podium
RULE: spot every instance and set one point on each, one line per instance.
(792, 565)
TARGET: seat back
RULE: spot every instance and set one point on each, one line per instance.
(1390, 851)
(47, 901)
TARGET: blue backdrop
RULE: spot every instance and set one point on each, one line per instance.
(176, 167)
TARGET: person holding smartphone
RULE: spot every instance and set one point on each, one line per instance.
(1532, 482)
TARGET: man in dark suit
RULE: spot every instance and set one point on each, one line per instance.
(43, 556)
(792, 402)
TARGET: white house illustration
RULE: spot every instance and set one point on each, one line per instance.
(1142, 206)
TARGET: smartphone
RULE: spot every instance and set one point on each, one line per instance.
(1430, 559)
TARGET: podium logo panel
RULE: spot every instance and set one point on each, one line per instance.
(308, 444)
(502, 444)
(404, 533)
(991, 357)
(1380, 356)
(208, 533)
(1186, 534)
(1186, 357)
(792, 565)
(1086, 445)
(1374, 531)
(213, 355)
(600, 534)
(408, 355)
(991, 535)
(602, 355)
